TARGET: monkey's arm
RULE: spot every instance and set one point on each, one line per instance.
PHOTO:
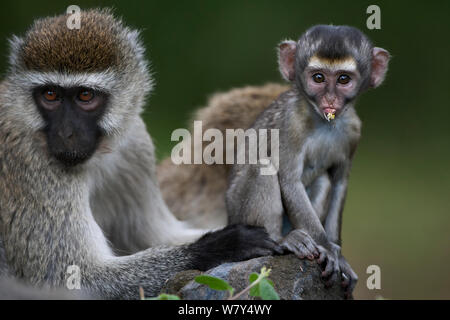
(46, 245)
(47, 226)
(300, 209)
(151, 268)
(305, 220)
(296, 201)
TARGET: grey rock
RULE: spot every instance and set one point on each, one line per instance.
(294, 279)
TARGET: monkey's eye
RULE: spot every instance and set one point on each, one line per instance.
(86, 95)
(318, 77)
(50, 95)
(343, 79)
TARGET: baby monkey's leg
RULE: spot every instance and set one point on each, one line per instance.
(255, 199)
(318, 193)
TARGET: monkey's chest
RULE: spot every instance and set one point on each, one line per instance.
(320, 157)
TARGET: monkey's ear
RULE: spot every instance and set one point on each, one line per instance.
(286, 59)
(380, 60)
(15, 45)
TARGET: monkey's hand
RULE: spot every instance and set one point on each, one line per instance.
(329, 260)
(301, 244)
(348, 276)
(233, 243)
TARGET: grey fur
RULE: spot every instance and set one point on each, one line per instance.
(304, 139)
(53, 216)
(46, 218)
(303, 188)
(124, 194)
(47, 224)
(315, 158)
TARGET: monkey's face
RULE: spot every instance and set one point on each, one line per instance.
(331, 66)
(331, 85)
(88, 85)
(71, 118)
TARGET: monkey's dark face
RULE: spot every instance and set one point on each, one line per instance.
(331, 84)
(71, 116)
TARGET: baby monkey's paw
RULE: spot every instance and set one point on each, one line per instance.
(301, 244)
(348, 276)
(329, 260)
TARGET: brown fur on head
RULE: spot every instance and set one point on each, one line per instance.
(50, 45)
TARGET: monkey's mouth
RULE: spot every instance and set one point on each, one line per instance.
(329, 113)
(72, 158)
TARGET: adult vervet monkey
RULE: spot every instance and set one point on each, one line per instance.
(76, 164)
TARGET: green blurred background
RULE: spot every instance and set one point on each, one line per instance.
(397, 213)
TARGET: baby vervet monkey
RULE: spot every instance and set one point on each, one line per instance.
(329, 67)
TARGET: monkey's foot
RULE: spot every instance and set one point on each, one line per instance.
(348, 276)
(301, 244)
(329, 260)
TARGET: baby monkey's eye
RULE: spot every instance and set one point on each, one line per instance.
(86, 95)
(343, 79)
(318, 77)
(50, 95)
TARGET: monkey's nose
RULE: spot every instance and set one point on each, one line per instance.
(330, 101)
(66, 133)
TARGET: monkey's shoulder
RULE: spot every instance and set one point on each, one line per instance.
(274, 116)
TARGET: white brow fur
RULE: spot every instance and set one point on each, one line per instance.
(344, 65)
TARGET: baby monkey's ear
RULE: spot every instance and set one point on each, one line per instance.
(286, 59)
(380, 61)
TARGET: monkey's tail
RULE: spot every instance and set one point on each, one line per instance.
(196, 193)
